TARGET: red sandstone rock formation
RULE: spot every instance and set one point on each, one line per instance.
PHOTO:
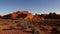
(19, 15)
(37, 18)
(23, 15)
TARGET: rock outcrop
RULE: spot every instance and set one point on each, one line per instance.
(19, 15)
(37, 18)
(23, 15)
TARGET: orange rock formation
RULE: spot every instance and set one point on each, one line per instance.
(19, 15)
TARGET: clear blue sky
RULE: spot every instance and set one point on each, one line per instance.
(33, 6)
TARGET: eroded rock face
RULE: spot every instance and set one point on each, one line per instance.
(37, 18)
(19, 15)
(23, 15)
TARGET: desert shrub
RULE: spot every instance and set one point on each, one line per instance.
(29, 26)
(1, 28)
(16, 21)
(33, 22)
(54, 31)
(12, 27)
(23, 27)
(19, 25)
(6, 22)
(34, 31)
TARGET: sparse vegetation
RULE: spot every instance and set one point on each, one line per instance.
(24, 24)
(12, 27)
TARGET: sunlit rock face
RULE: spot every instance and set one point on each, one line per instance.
(19, 15)
(29, 16)
(37, 18)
